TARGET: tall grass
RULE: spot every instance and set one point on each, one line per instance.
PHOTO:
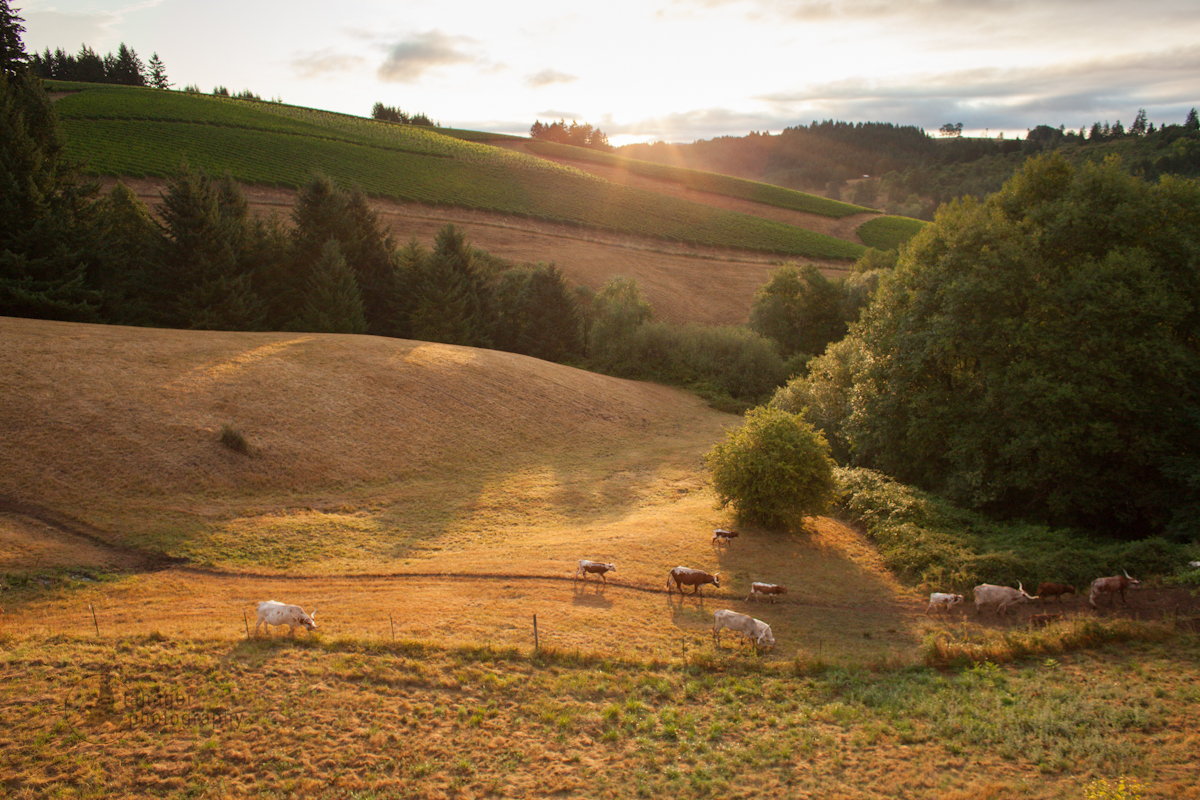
(929, 542)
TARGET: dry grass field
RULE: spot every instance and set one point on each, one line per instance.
(429, 501)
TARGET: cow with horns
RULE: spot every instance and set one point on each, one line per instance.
(1116, 584)
(686, 576)
(1002, 596)
(722, 536)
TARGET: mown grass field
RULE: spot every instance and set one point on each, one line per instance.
(148, 133)
(429, 501)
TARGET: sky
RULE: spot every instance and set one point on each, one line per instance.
(669, 70)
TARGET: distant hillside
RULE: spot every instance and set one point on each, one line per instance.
(904, 171)
(125, 131)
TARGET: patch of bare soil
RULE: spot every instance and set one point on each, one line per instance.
(683, 283)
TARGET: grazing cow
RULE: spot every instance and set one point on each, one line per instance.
(1042, 620)
(943, 601)
(770, 590)
(722, 536)
(1056, 590)
(747, 626)
(1113, 585)
(272, 612)
(685, 576)
(1002, 596)
(594, 568)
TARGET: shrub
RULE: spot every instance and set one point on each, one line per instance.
(774, 470)
(232, 438)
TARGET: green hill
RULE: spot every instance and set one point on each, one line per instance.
(123, 131)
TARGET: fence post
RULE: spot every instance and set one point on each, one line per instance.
(393, 622)
(246, 622)
(535, 634)
(94, 621)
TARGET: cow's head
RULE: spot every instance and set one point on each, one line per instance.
(1133, 582)
(955, 599)
(308, 622)
(765, 637)
(717, 580)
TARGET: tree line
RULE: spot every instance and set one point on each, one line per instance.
(125, 67)
(393, 114)
(577, 134)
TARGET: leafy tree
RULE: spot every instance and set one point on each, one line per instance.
(12, 50)
(800, 309)
(774, 470)
(618, 310)
(1035, 355)
(158, 73)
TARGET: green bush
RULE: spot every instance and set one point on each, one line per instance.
(774, 470)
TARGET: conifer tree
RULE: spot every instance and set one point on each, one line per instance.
(158, 73)
(332, 302)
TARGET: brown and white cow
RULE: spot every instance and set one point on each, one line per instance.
(272, 612)
(722, 536)
(594, 568)
(771, 590)
(753, 629)
(943, 601)
(686, 576)
(1003, 596)
(1056, 590)
(1112, 585)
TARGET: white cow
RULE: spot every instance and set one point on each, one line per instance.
(272, 612)
(594, 567)
(943, 601)
(748, 626)
(1003, 596)
(771, 590)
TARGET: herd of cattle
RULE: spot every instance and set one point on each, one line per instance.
(274, 613)
(1005, 597)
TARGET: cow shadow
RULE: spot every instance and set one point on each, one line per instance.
(583, 596)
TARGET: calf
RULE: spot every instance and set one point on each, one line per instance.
(749, 627)
(943, 601)
(1113, 585)
(1056, 590)
(1003, 596)
(272, 612)
(685, 576)
(722, 536)
(770, 590)
(1042, 620)
(594, 568)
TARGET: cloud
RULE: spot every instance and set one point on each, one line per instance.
(408, 60)
(547, 77)
(325, 63)
(68, 30)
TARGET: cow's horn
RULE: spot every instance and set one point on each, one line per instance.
(1127, 575)
(313, 614)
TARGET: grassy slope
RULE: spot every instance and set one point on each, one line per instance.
(122, 131)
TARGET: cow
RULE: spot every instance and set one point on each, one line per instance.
(1002, 596)
(1042, 620)
(1056, 590)
(942, 600)
(1112, 585)
(594, 568)
(770, 590)
(272, 612)
(685, 576)
(1194, 564)
(722, 536)
(749, 627)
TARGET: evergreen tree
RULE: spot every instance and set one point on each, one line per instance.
(158, 73)
(127, 68)
(332, 302)
(45, 211)
(12, 50)
(451, 302)
(536, 314)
